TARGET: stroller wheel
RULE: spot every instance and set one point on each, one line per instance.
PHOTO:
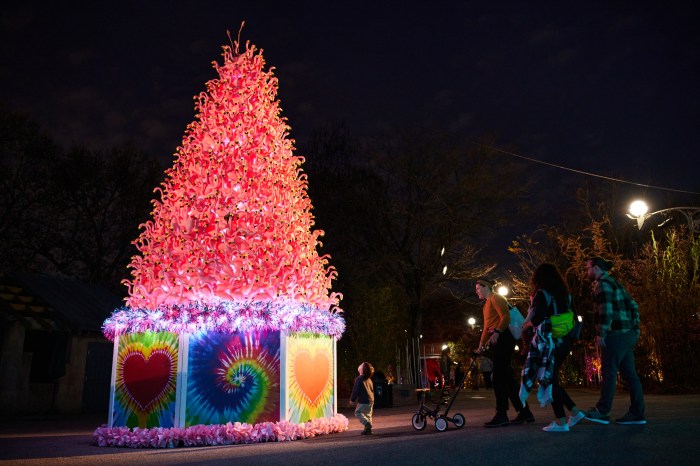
(441, 424)
(458, 420)
(418, 422)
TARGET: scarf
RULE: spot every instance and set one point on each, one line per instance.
(538, 367)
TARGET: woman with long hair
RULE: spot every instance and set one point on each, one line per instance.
(549, 296)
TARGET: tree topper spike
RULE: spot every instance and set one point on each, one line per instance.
(236, 43)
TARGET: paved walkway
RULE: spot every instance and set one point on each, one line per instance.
(669, 438)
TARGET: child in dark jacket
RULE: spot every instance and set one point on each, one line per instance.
(363, 394)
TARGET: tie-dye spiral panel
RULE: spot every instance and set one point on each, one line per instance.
(233, 377)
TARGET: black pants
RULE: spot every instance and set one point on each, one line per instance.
(505, 385)
(487, 378)
(560, 398)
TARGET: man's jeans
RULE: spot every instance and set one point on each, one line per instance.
(618, 356)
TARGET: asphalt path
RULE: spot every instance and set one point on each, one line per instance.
(670, 437)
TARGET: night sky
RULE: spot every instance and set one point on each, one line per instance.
(611, 88)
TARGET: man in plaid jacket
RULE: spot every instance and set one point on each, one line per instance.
(617, 324)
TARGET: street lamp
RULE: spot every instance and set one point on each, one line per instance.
(503, 290)
(639, 211)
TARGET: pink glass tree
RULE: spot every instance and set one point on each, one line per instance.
(230, 246)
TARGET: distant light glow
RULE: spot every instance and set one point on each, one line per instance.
(471, 321)
(503, 290)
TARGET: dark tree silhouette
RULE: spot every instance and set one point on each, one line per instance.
(391, 205)
(72, 213)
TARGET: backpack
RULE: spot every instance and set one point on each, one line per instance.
(516, 322)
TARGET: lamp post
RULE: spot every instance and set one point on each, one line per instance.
(639, 211)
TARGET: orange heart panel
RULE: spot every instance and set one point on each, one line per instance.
(310, 384)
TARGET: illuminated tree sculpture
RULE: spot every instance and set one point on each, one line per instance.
(230, 316)
(230, 246)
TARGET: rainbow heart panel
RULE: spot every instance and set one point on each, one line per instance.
(145, 380)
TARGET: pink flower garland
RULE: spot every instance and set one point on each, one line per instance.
(217, 434)
(226, 317)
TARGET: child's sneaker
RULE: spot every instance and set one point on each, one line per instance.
(631, 419)
(576, 418)
(554, 427)
(594, 415)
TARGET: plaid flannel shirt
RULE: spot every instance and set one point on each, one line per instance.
(615, 310)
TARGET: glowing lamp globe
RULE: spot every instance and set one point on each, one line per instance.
(638, 208)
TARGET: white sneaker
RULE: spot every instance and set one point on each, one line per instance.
(573, 420)
(554, 427)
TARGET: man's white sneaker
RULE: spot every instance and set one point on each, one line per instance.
(631, 419)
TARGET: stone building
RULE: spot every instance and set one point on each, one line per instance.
(53, 356)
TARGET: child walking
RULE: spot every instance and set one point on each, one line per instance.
(363, 394)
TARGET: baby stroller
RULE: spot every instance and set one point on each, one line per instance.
(446, 399)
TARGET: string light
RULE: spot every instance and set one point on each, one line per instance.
(581, 172)
(226, 316)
